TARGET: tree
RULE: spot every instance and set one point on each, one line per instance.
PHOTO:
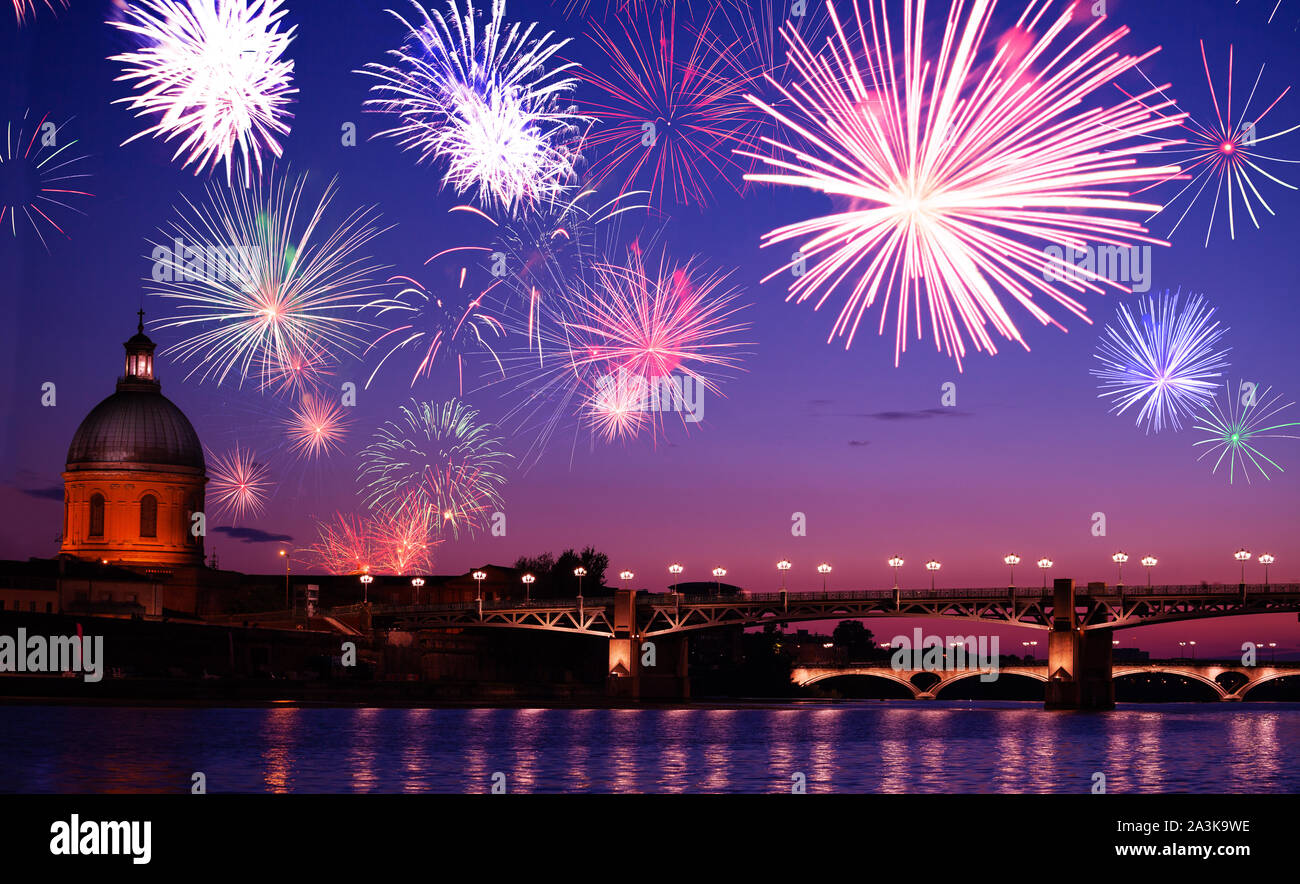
(856, 640)
(555, 577)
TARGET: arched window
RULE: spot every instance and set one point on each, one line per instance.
(148, 516)
(96, 515)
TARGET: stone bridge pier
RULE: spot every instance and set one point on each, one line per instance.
(645, 669)
(1078, 661)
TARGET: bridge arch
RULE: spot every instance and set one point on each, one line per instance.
(1263, 680)
(1213, 685)
(816, 675)
(951, 678)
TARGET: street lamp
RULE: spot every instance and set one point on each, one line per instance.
(932, 566)
(479, 577)
(284, 554)
(823, 569)
(675, 569)
(580, 572)
(718, 574)
(1149, 562)
(529, 580)
(1028, 652)
(626, 577)
(783, 566)
(1266, 560)
(1242, 555)
(895, 562)
(1119, 559)
(1045, 563)
(417, 582)
(1011, 561)
(366, 580)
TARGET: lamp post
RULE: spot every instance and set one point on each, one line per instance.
(1266, 560)
(783, 566)
(823, 569)
(718, 574)
(1242, 555)
(895, 562)
(1119, 559)
(284, 554)
(417, 582)
(529, 580)
(1029, 646)
(366, 580)
(626, 577)
(1045, 563)
(1149, 562)
(479, 577)
(675, 569)
(580, 572)
(1011, 561)
(932, 566)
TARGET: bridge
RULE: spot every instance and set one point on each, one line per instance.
(924, 688)
(655, 626)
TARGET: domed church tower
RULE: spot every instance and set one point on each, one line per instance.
(135, 474)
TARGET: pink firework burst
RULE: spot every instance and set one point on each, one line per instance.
(404, 542)
(954, 178)
(296, 372)
(670, 319)
(1226, 152)
(667, 114)
(25, 9)
(238, 484)
(316, 427)
(345, 545)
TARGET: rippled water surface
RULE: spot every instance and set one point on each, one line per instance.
(847, 747)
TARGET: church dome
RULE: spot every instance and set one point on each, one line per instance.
(136, 427)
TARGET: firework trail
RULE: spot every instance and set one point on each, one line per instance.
(485, 105)
(345, 545)
(437, 327)
(550, 254)
(54, 172)
(262, 289)
(24, 9)
(437, 459)
(944, 169)
(237, 483)
(672, 116)
(213, 74)
(297, 374)
(1232, 430)
(1166, 361)
(316, 428)
(1271, 14)
(1225, 153)
(404, 543)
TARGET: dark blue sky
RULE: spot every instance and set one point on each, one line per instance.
(843, 437)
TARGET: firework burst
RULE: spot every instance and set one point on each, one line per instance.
(262, 289)
(1166, 361)
(485, 105)
(316, 428)
(946, 169)
(437, 327)
(296, 374)
(436, 459)
(1233, 428)
(671, 116)
(345, 545)
(238, 484)
(41, 162)
(214, 75)
(404, 543)
(1225, 153)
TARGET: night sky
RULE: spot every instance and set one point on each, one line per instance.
(861, 447)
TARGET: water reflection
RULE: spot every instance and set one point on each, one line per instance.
(847, 747)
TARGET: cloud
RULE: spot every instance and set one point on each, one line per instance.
(252, 535)
(49, 492)
(923, 414)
